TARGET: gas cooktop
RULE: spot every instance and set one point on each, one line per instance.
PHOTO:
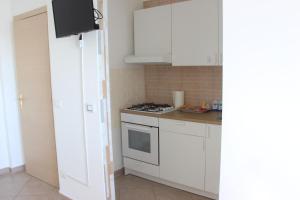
(152, 108)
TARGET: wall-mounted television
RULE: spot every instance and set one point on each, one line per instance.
(73, 17)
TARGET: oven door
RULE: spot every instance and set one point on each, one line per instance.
(140, 142)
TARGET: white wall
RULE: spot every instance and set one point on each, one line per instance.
(7, 76)
(4, 154)
(120, 30)
(127, 85)
(21, 6)
(261, 132)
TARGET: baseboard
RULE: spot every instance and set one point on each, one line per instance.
(12, 170)
(64, 197)
(119, 172)
(17, 169)
(171, 184)
(4, 171)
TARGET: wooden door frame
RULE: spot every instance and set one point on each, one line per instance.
(31, 13)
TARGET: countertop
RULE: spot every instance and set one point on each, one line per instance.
(208, 118)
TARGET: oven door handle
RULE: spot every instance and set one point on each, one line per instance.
(139, 128)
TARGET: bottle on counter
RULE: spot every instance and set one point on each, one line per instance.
(203, 105)
(215, 105)
(220, 105)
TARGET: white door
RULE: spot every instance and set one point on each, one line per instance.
(182, 159)
(80, 141)
(78, 115)
(213, 155)
(195, 33)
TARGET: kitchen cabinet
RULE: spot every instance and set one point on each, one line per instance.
(196, 33)
(182, 156)
(190, 154)
(221, 32)
(213, 157)
(152, 32)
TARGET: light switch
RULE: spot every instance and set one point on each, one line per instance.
(90, 108)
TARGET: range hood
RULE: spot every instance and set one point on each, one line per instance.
(162, 60)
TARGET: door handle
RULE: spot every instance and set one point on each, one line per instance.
(137, 127)
(21, 99)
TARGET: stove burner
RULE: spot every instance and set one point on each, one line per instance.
(151, 107)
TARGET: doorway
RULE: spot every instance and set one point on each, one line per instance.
(35, 96)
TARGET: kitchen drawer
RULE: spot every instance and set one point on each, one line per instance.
(183, 127)
(142, 167)
(139, 119)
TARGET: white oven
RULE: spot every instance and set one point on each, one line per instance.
(140, 142)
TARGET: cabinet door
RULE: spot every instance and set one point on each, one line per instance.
(195, 33)
(221, 33)
(182, 159)
(152, 31)
(213, 157)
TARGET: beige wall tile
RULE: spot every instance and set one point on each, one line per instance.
(199, 83)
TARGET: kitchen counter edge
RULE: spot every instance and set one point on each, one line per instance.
(207, 118)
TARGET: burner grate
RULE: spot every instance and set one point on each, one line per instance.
(151, 107)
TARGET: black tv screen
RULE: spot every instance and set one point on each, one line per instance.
(72, 17)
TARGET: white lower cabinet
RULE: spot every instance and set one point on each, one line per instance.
(142, 167)
(182, 159)
(213, 157)
(190, 159)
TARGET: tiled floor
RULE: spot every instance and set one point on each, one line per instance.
(134, 188)
(21, 186)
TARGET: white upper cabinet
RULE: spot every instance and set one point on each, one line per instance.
(213, 159)
(220, 32)
(195, 33)
(187, 33)
(152, 32)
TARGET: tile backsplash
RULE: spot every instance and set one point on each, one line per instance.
(198, 83)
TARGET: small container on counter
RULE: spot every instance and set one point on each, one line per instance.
(220, 105)
(178, 99)
(215, 105)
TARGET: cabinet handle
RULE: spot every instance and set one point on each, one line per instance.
(180, 123)
(208, 59)
(208, 132)
(204, 145)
